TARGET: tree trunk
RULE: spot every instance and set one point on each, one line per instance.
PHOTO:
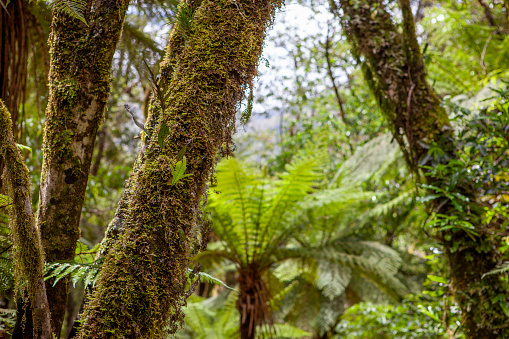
(394, 69)
(211, 60)
(79, 84)
(13, 62)
(253, 302)
(28, 252)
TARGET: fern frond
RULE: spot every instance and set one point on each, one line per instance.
(366, 161)
(332, 279)
(375, 262)
(282, 331)
(88, 273)
(499, 269)
(204, 277)
(73, 8)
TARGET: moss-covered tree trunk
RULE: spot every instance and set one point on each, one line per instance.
(394, 68)
(28, 252)
(211, 60)
(79, 84)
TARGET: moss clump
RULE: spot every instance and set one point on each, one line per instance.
(205, 71)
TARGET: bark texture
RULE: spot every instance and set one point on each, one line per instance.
(13, 61)
(394, 69)
(28, 253)
(210, 62)
(13, 57)
(79, 84)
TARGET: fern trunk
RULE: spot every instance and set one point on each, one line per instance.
(79, 84)
(211, 60)
(394, 69)
(28, 252)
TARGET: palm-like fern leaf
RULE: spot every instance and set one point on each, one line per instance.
(251, 213)
(73, 8)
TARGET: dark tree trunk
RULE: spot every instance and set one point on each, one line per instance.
(13, 62)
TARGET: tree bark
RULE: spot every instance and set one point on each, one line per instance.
(211, 60)
(13, 62)
(79, 84)
(28, 251)
(394, 69)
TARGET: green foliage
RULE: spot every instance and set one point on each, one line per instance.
(215, 318)
(412, 319)
(185, 19)
(207, 278)
(24, 148)
(481, 162)
(499, 270)
(5, 201)
(459, 37)
(73, 8)
(283, 225)
(252, 214)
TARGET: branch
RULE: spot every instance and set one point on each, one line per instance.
(487, 13)
(339, 99)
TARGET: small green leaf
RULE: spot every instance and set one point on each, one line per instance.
(437, 279)
(24, 148)
(178, 172)
(181, 153)
(204, 277)
(429, 197)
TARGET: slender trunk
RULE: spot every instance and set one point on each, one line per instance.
(13, 58)
(79, 84)
(28, 251)
(211, 60)
(13, 62)
(339, 99)
(394, 69)
(103, 134)
(253, 302)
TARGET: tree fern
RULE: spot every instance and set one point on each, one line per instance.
(285, 224)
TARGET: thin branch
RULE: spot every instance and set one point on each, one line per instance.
(8, 248)
(339, 98)
(486, 46)
(488, 14)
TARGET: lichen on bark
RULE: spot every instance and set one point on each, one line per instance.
(211, 60)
